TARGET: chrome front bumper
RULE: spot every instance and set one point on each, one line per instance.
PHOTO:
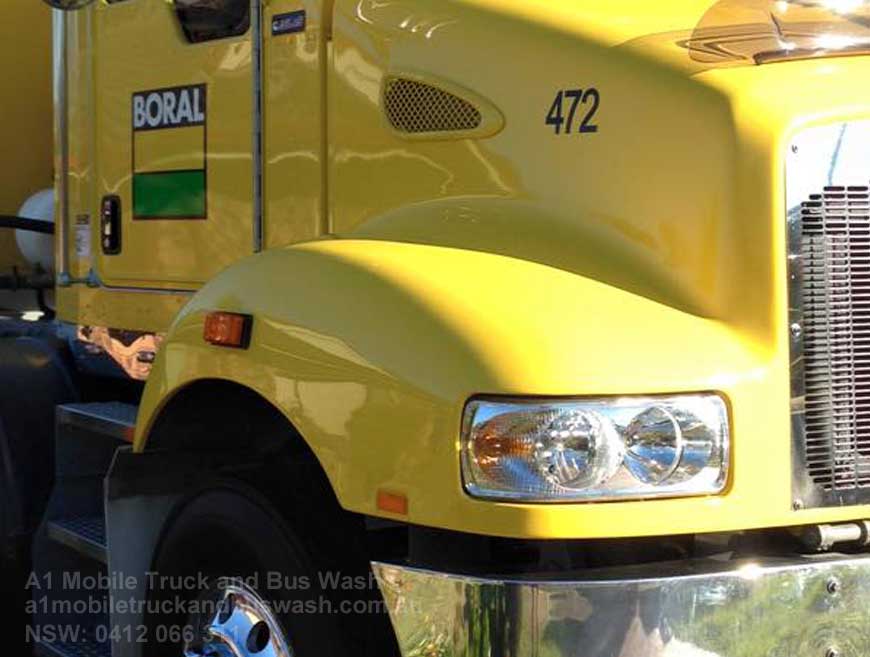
(810, 607)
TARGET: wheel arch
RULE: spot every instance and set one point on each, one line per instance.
(199, 404)
(221, 414)
(360, 344)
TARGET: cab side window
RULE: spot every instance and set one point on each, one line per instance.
(206, 20)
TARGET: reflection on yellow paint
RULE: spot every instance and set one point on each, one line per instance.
(133, 352)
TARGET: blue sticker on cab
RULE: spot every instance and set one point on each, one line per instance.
(288, 23)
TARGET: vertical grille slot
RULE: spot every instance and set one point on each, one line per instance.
(835, 249)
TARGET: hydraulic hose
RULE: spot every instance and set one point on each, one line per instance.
(22, 223)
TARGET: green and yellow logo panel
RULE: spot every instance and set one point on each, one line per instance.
(169, 153)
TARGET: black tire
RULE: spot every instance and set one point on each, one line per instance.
(14, 571)
(233, 532)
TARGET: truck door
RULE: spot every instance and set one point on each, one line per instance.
(174, 140)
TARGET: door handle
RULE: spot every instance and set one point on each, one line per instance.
(110, 225)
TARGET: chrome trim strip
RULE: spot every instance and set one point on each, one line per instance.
(802, 488)
(804, 607)
(60, 63)
(93, 281)
(257, 110)
(833, 154)
(147, 290)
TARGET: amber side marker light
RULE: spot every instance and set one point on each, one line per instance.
(392, 503)
(228, 330)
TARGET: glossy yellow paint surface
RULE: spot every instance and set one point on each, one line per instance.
(80, 303)
(109, 60)
(148, 312)
(80, 115)
(25, 113)
(294, 130)
(170, 150)
(647, 257)
(140, 47)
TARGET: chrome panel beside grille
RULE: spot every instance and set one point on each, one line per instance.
(828, 186)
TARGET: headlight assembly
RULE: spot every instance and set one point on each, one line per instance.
(595, 449)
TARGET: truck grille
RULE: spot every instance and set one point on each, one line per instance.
(835, 290)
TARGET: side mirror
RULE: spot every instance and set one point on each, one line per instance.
(68, 5)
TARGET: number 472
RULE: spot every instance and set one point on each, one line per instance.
(571, 99)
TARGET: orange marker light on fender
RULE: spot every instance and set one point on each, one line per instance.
(228, 330)
(392, 503)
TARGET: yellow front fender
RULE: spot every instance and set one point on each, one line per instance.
(372, 348)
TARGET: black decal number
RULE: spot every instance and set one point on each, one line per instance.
(593, 99)
(555, 118)
(569, 101)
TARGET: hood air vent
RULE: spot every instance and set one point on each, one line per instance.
(417, 108)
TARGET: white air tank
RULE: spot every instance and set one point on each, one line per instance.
(37, 248)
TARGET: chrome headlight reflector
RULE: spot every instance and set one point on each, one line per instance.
(595, 449)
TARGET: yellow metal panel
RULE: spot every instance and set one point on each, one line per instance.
(294, 131)
(140, 47)
(80, 119)
(116, 308)
(385, 342)
(591, 194)
(170, 150)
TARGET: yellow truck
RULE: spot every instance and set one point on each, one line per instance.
(485, 328)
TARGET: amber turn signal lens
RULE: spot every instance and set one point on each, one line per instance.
(392, 503)
(228, 329)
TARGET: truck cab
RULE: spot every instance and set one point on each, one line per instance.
(454, 328)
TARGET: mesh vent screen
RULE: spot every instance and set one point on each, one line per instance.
(417, 108)
(836, 300)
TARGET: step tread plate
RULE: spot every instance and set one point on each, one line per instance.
(114, 419)
(86, 535)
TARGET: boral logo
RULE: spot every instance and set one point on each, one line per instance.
(169, 108)
(170, 153)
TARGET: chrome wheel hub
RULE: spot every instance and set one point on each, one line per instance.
(242, 625)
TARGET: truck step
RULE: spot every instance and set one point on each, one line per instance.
(110, 419)
(86, 535)
(77, 649)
